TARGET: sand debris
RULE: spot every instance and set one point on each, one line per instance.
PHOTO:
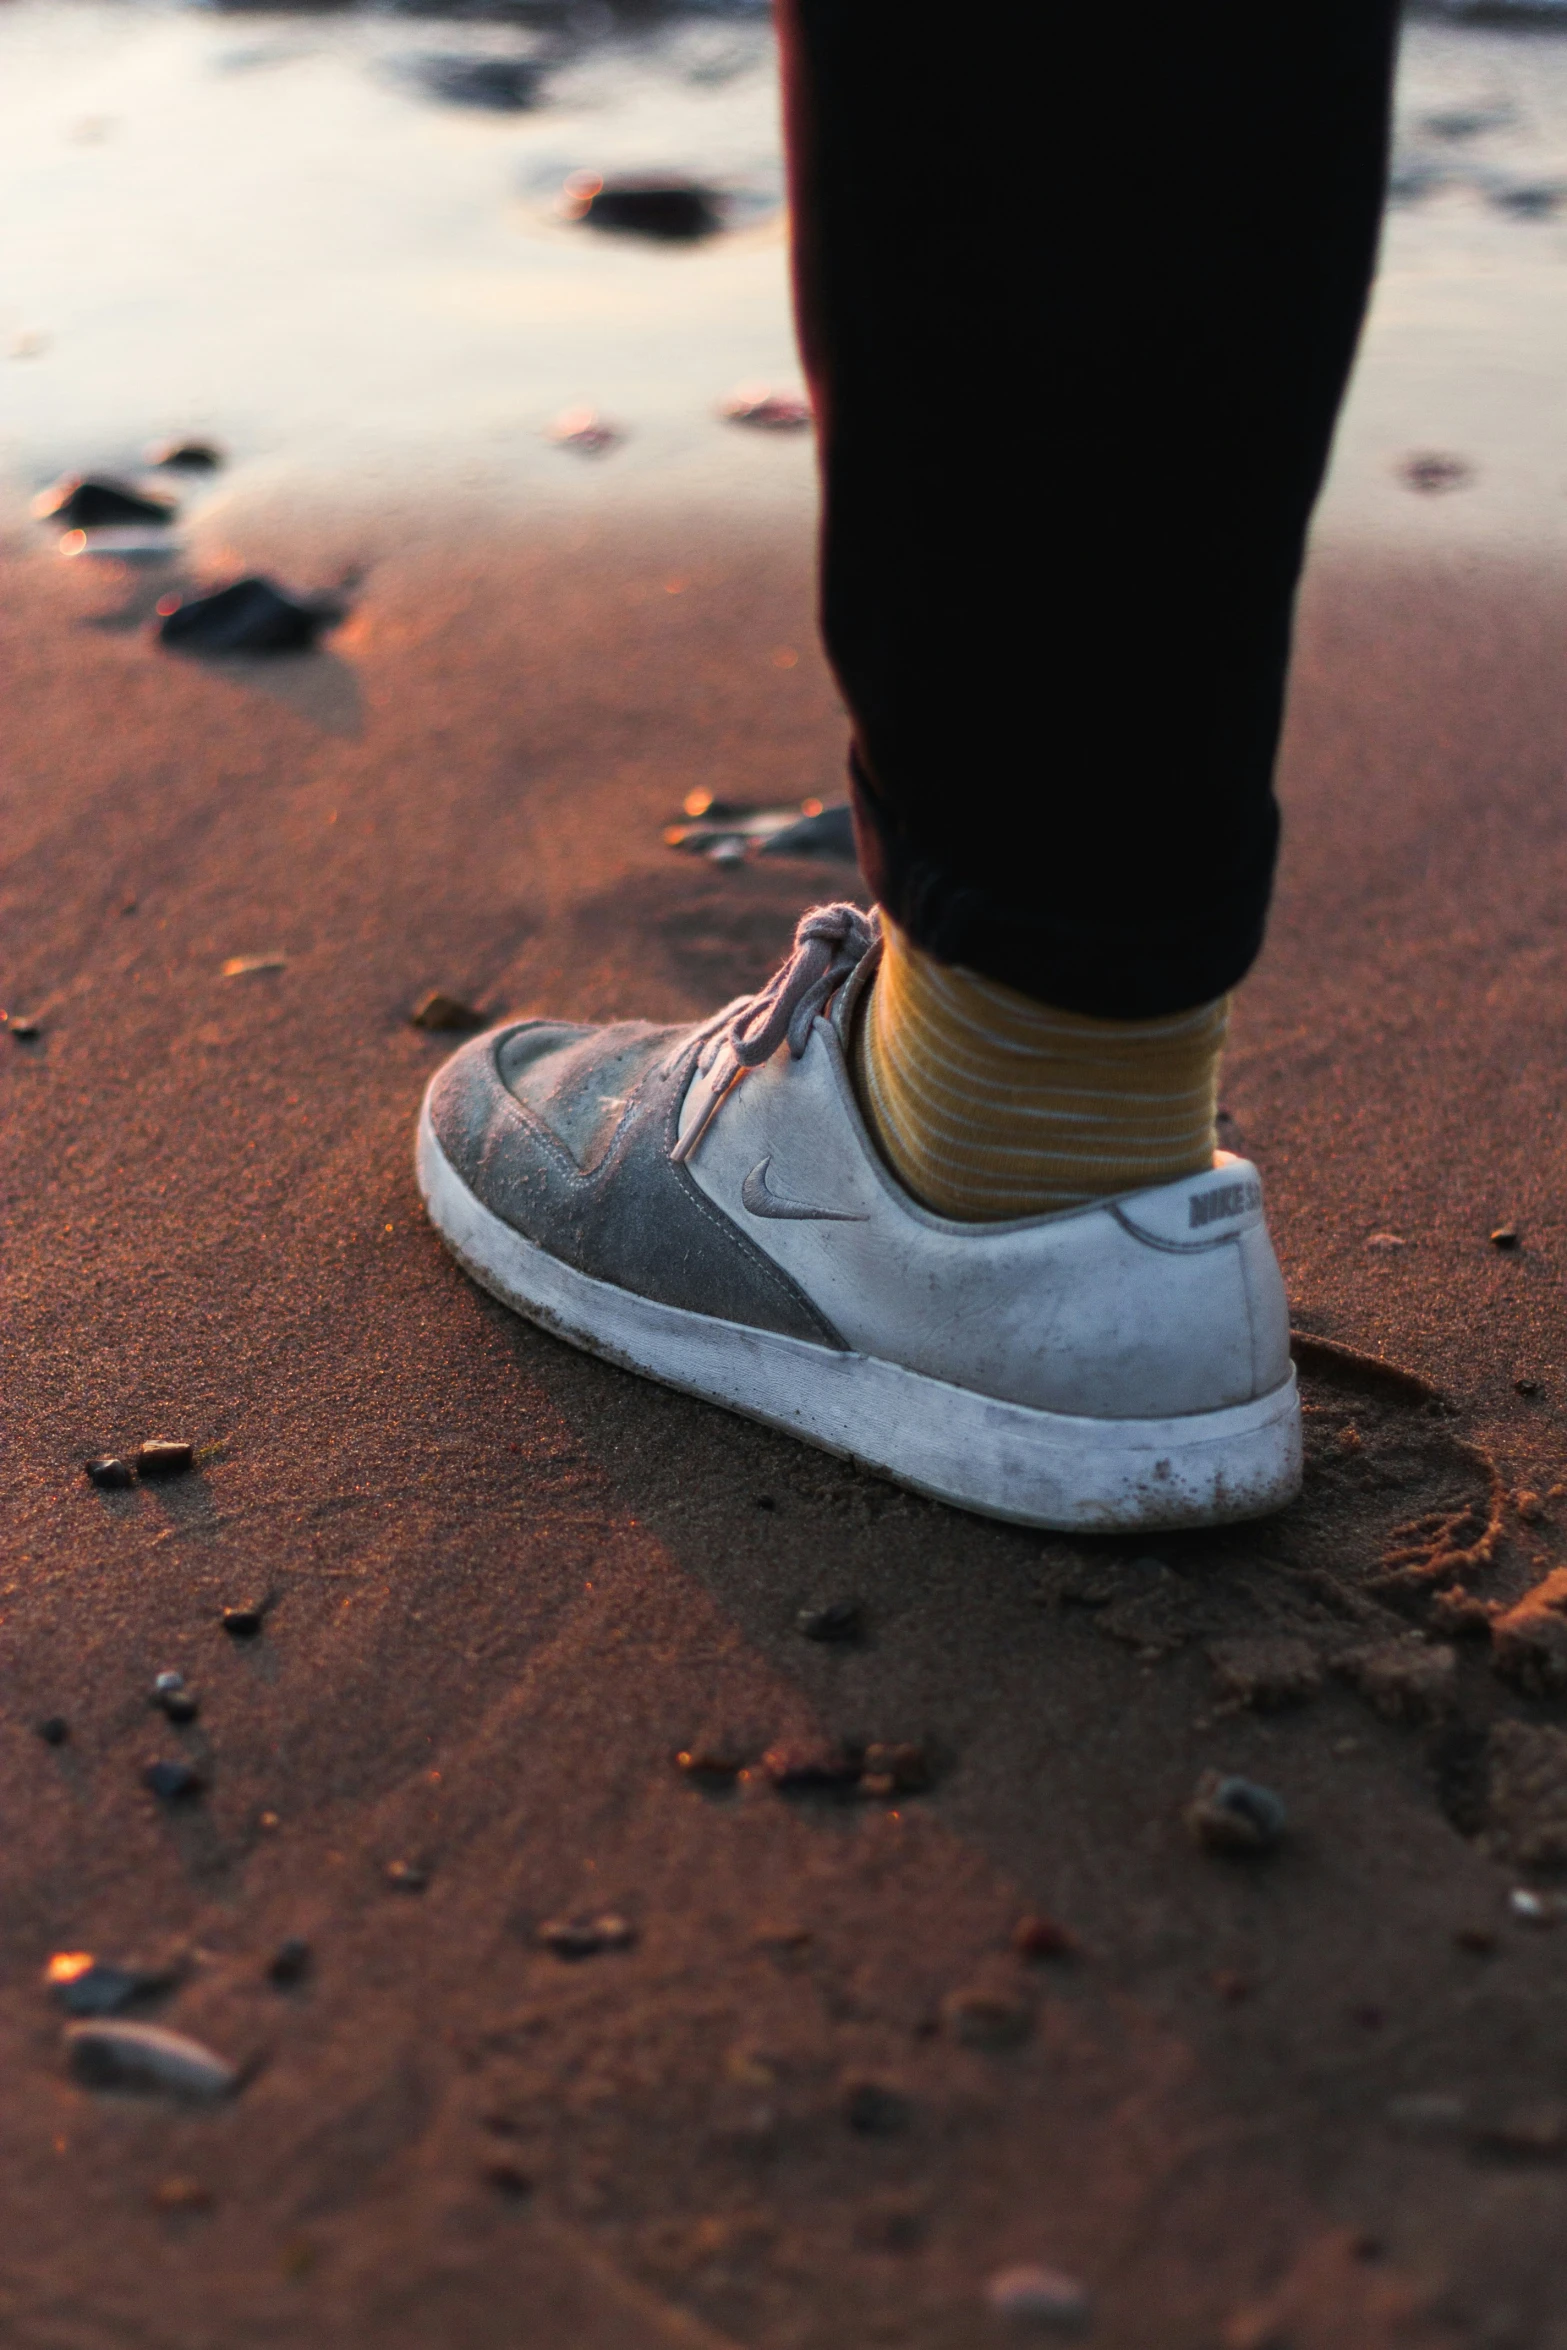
(109, 2055)
(1234, 1815)
(1039, 2298)
(1267, 1672)
(1529, 1640)
(1527, 1811)
(1404, 1680)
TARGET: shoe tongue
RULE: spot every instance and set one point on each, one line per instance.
(845, 1004)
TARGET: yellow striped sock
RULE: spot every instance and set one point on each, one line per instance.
(987, 1104)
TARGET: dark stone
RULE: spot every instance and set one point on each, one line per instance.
(111, 1473)
(179, 1706)
(407, 1876)
(673, 211)
(101, 1989)
(508, 2179)
(839, 1619)
(502, 85)
(1229, 1814)
(831, 834)
(1526, 1387)
(173, 1782)
(165, 1456)
(445, 1014)
(54, 1729)
(186, 456)
(585, 1937)
(1506, 1236)
(875, 2108)
(251, 616)
(290, 1963)
(96, 502)
(242, 1623)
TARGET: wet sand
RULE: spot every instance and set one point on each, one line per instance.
(506, 1583)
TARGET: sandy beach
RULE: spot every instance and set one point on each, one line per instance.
(814, 2095)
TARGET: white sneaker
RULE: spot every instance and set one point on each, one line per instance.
(705, 1205)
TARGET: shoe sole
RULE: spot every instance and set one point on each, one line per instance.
(1001, 1460)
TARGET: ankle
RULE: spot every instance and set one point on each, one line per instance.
(987, 1104)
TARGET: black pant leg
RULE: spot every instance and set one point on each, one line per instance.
(1078, 297)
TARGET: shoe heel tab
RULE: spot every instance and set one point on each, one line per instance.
(1200, 1210)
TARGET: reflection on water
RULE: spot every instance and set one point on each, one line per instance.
(391, 254)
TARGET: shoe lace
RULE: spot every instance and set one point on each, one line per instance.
(830, 942)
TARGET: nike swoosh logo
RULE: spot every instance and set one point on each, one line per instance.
(755, 1195)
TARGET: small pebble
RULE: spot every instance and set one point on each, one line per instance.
(93, 501)
(877, 2109)
(146, 2056)
(585, 1937)
(1532, 2134)
(1035, 1936)
(173, 1782)
(899, 1769)
(1433, 470)
(54, 1729)
(84, 1985)
(242, 1623)
(717, 1763)
(111, 1473)
(290, 1963)
(19, 1025)
(181, 2195)
(165, 1684)
(508, 2179)
(406, 1876)
(1029, 2296)
(1231, 1986)
(586, 432)
(984, 2017)
(165, 1456)
(179, 1706)
(246, 966)
(673, 211)
(1531, 1908)
(1526, 1386)
(1229, 1814)
(767, 411)
(445, 1014)
(838, 1619)
(1505, 1236)
(1478, 1939)
(796, 1763)
(180, 456)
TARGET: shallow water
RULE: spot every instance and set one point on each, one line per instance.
(273, 229)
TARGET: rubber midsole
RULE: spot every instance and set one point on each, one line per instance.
(1002, 1459)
